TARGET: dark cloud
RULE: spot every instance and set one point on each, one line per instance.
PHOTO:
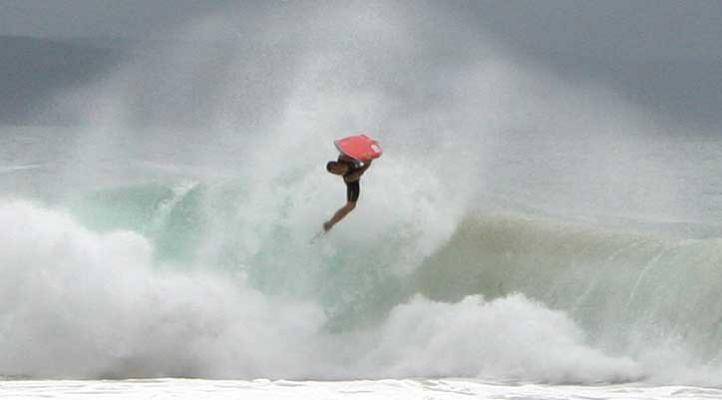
(642, 29)
(87, 18)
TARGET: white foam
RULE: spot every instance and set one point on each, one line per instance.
(437, 389)
(510, 338)
(79, 304)
(76, 303)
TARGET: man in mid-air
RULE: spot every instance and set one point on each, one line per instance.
(351, 171)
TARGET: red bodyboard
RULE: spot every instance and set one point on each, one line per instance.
(359, 147)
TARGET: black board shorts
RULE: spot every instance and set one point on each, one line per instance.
(353, 189)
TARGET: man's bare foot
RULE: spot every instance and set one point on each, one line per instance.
(327, 226)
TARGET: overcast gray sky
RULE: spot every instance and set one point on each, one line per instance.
(663, 53)
(650, 25)
(89, 18)
(648, 29)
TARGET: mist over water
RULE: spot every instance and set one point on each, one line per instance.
(519, 226)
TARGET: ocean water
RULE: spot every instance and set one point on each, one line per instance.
(522, 236)
(157, 270)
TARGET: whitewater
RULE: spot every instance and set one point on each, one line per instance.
(521, 237)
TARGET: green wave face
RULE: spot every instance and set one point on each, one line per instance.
(623, 289)
(169, 216)
(199, 225)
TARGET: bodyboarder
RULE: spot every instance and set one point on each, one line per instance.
(350, 170)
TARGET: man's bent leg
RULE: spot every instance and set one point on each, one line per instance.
(340, 214)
